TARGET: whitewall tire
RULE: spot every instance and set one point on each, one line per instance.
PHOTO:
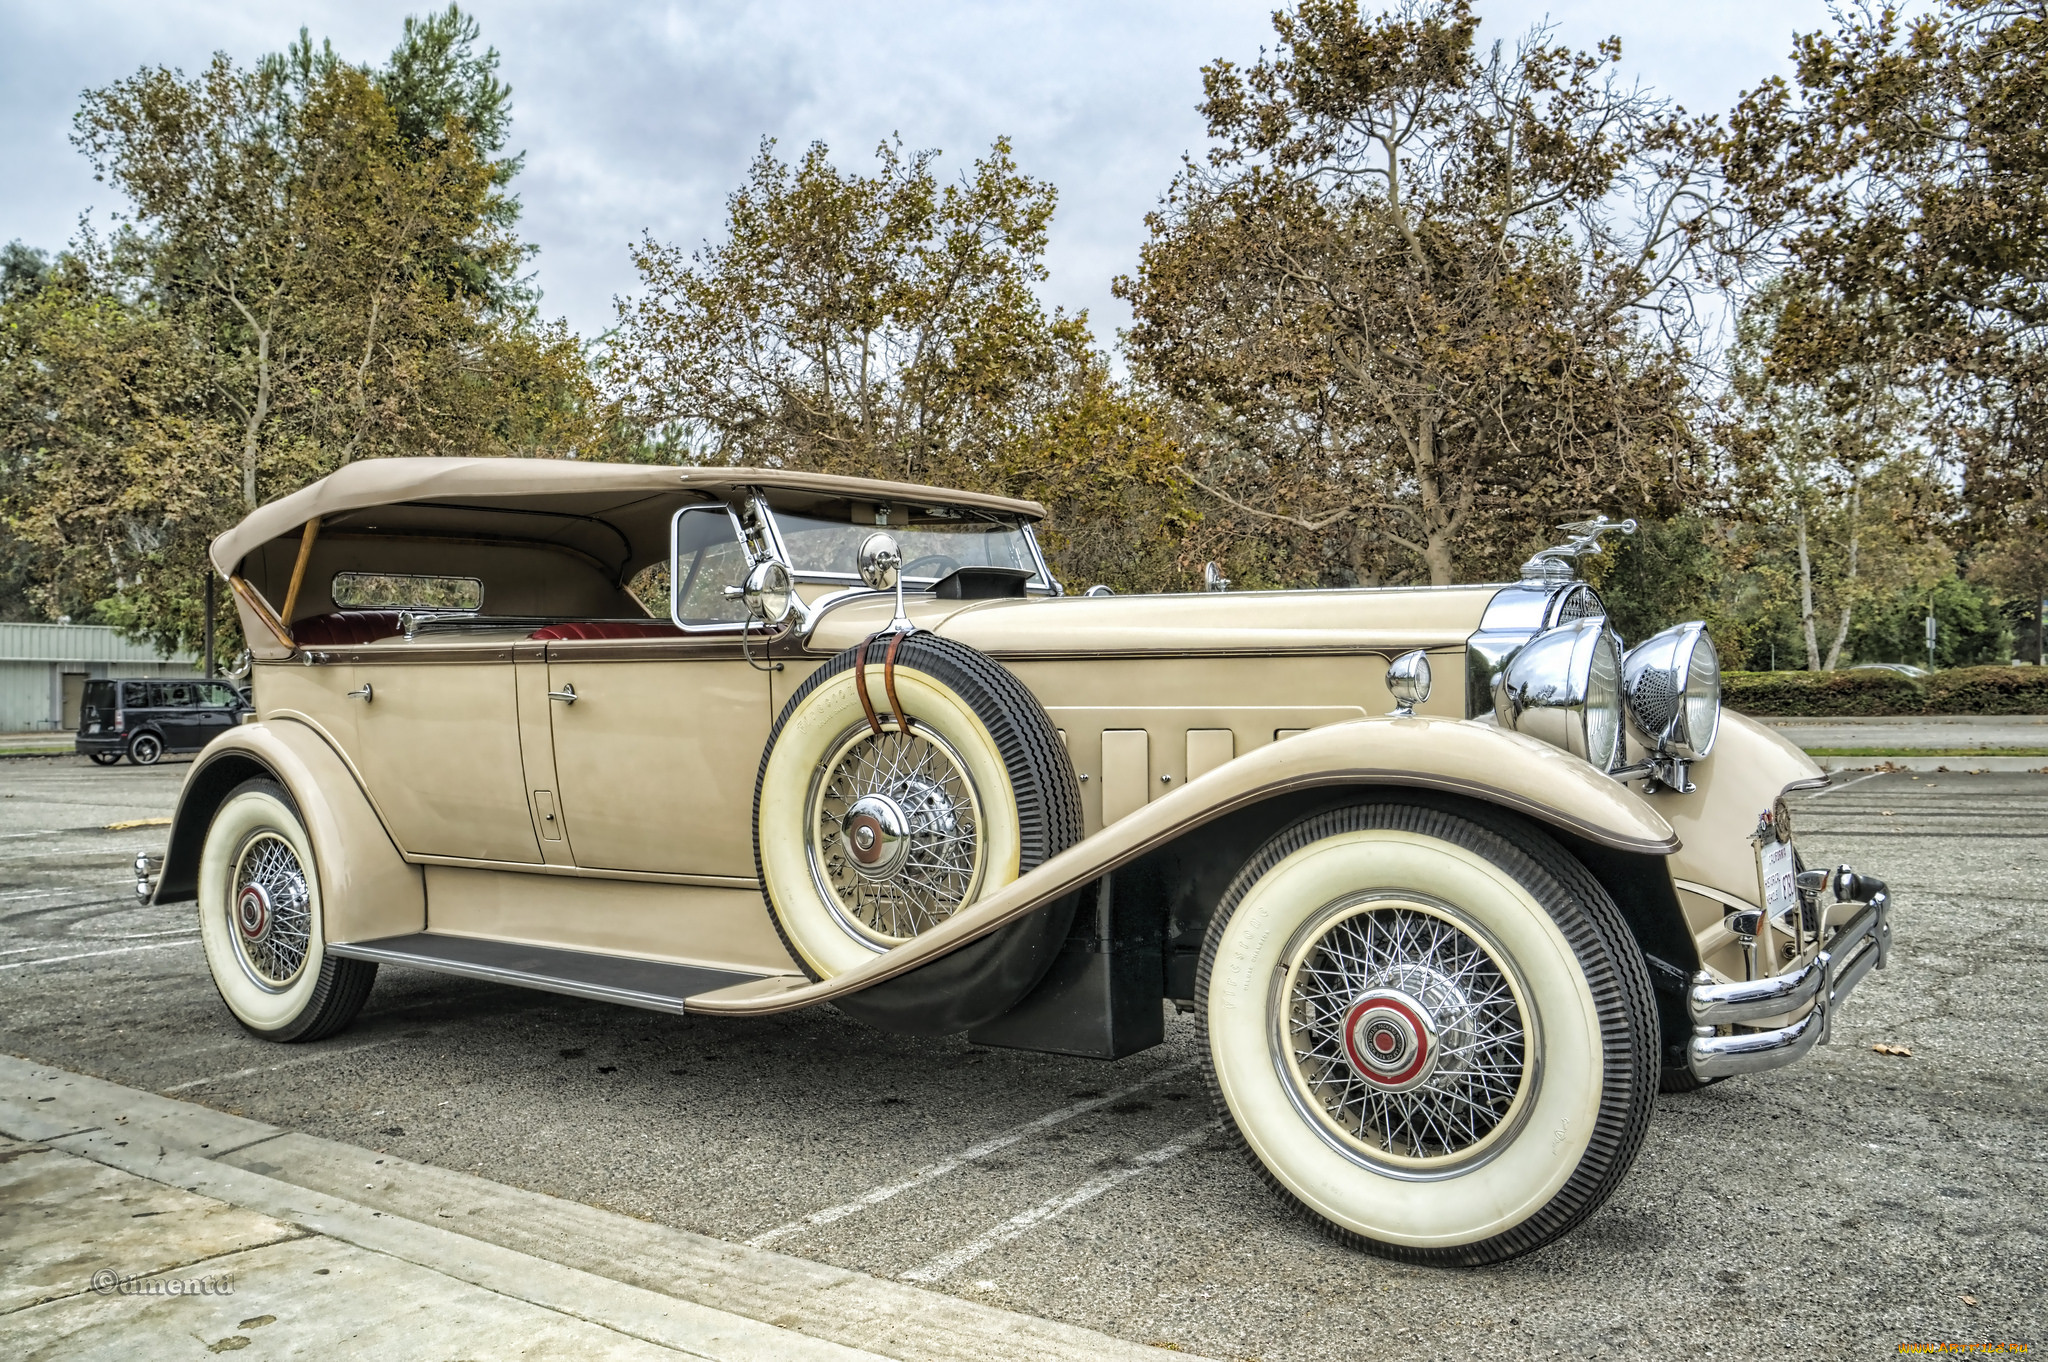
(1428, 1029)
(871, 828)
(260, 921)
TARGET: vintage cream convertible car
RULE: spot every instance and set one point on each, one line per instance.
(1442, 938)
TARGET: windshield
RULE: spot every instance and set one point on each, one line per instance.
(934, 544)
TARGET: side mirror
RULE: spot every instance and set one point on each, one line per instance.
(768, 591)
(879, 560)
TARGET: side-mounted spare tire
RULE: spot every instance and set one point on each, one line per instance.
(869, 830)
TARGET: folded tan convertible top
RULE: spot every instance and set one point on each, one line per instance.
(384, 482)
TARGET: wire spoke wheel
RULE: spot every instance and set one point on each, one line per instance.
(894, 832)
(1402, 1036)
(872, 829)
(271, 911)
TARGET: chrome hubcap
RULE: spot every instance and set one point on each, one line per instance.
(877, 837)
(894, 831)
(272, 911)
(1402, 1036)
(252, 912)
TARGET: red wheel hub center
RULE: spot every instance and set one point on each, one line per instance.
(252, 911)
(1389, 1039)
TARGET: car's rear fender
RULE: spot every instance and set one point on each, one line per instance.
(1619, 834)
(367, 890)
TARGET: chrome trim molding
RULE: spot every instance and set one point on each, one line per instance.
(1858, 947)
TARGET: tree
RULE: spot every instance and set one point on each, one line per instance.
(321, 267)
(330, 253)
(879, 325)
(1904, 169)
(1420, 299)
(1832, 462)
(2017, 567)
(115, 464)
(887, 326)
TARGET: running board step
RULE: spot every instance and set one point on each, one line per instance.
(654, 984)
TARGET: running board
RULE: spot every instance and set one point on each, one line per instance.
(654, 984)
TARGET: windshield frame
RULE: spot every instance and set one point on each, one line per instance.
(762, 513)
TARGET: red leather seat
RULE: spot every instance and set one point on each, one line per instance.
(590, 629)
(341, 628)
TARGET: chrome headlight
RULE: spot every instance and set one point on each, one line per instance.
(1564, 687)
(1673, 686)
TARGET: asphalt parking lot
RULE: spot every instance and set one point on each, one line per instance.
(1839, 1208)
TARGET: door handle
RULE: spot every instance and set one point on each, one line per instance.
(364, 694)
(567, 694)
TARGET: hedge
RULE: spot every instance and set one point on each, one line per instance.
(1959, 690)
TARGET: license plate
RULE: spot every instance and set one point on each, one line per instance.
(1780, 873)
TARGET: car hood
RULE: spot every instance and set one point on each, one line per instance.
(1181, 625)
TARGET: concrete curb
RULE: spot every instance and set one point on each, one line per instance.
(669, 1287)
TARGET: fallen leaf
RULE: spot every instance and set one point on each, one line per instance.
(1969, 1300)
(1904, 1051)
(258, 1322)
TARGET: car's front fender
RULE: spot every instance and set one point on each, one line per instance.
(1457, 756)
(367, 890)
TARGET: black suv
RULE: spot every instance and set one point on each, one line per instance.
(142, 720)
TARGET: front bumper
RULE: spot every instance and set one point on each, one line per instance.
(1858, 946)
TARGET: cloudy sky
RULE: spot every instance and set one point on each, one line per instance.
(640, 115)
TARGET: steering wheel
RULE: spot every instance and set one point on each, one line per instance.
(950, 564)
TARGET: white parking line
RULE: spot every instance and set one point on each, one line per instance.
(1823, 794)
(39, 832)
(89, 955)
(1017, 1224)
(968, 1155)
(58, 945)
(281, 1064)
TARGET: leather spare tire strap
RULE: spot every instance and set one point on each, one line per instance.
(860, 683)
(903, 721)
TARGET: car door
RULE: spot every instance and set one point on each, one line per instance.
(184, 725)
(655, 756)
(170, 711)
(217, 712)
(436, 739)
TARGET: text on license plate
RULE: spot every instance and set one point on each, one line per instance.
(1780, 876)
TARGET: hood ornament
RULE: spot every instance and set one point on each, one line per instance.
(1557, 565)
